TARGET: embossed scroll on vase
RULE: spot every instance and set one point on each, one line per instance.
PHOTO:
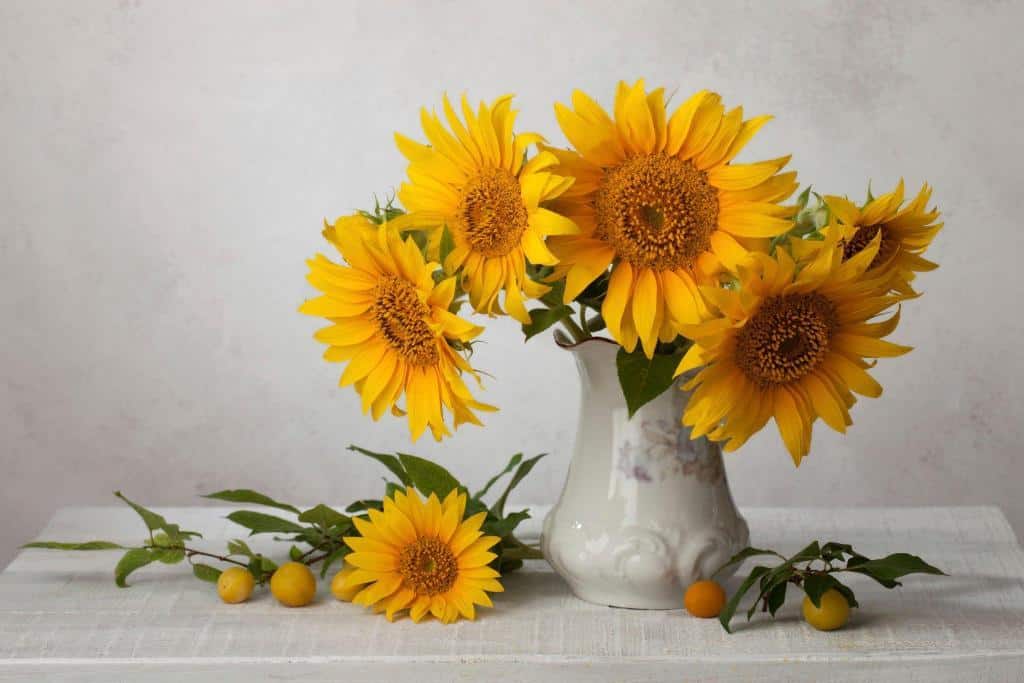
(645, 511)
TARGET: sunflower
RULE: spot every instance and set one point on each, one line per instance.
(473, 182)
(906, 231)
(391, 324)
(789, 343)
(422, 556)
(657, 198)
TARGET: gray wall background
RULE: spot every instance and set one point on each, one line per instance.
(166, 167)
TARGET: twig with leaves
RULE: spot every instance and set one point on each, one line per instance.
(813, 569)
(316, 534)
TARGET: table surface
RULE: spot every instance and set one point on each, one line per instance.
(62, 618)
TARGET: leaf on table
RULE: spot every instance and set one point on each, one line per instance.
(155, 522)
(333, 557)
(888, 569)
(428, 477)
(86, 545)
(508, 468)
(815, 585)
(363, 505)
(506, 525)
(742, 555)
(389, 461)
(205, 572)
(835, 552)
(260, 523)
(135, 558)
(250, 496)
(725, 616)
(524, 468)
(324, 517)
(777, 597)
(239, 547)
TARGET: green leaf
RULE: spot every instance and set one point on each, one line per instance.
(238, 547)
(846, 593)
(205, 572)
(129, 562)
(769, 583)
(250, 496)
(835, 552)
(152, 520)
(508, 468)
(524, 469)
(553, 297)
(87, 545)
(335, 555)
(324, 517)
(428, 477)
(543, 318)
(447, 244)
(742, 555)
(505, 526)
(887, 570)
(777, 597)
(364, 505)
(816, 585)
(730, 607)
(155, 522)
(388, 460)
(390, 489)
(259, 523)
(643, 379)
(295, 554)
(811, 552)
(169, 555)
(262, 567)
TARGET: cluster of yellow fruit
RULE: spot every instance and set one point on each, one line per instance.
(293, 584)
(705, 599)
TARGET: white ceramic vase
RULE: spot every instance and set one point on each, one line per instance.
(645, 511)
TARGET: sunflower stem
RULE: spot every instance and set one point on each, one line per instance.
(574, 330)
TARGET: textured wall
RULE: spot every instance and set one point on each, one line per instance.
(166, 168)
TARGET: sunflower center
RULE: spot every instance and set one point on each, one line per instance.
(786, 339)
(863, 237)
(657, 211)
(491, 215)
(428, 566)
(401, 317)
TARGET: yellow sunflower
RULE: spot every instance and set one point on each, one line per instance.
(657, 198)
(789, 343)
(391, 324)
(474, 182)
(906, 231)
(424, 557)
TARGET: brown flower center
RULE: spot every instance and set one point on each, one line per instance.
(657, 211)
(428, 566)
(862, 238)
(786, 339)
(402, 319)
(491, 215)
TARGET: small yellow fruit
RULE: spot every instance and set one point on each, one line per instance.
(832, 614)
(293, 584)
(235, 585)
(704, 599)
(338, 588)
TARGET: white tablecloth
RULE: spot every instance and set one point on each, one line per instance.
(62, 618)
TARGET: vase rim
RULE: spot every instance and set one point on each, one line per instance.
(575, 345)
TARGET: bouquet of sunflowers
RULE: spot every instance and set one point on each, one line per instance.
(646, 230)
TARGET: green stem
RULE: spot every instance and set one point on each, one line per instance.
(574, 330)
